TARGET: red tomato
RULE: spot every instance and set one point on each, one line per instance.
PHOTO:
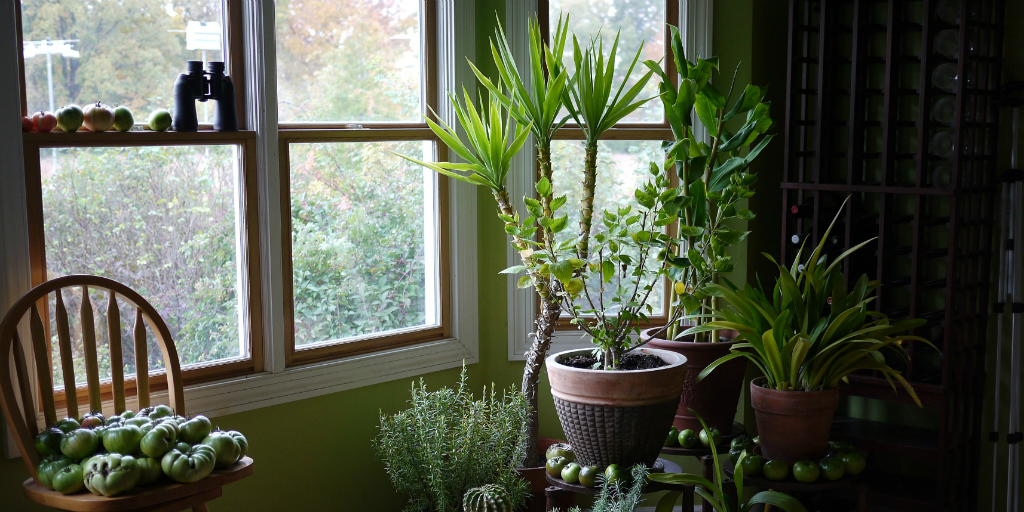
(26, 124)
(44, 121)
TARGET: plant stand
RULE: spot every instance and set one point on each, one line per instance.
(560, 488)
(848, 484)
(704, 454)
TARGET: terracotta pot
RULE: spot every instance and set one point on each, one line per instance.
(537, 502)
(793, 425)
(715, 397)
(616, 417)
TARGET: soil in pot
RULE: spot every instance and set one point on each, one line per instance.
(629, 362)
(793, 425)
(715, 398)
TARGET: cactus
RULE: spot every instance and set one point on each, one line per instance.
(486, 498)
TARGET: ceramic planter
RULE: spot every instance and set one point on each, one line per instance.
(616, 417)
(793, 425)
(714, 398)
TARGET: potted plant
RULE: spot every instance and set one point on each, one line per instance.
(714, 492)
(806, 337)
(614, 272)
(716, 176)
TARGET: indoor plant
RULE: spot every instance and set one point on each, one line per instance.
(714, 492)
(806, 337)
(625, 261)
(716, 176)
(448, 442)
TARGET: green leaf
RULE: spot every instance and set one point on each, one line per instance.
(750, 97)
(644, 199)
(557, 202)
(563, 270)
(607, 270)
(706, 112)
(514, 269)
(745, 214)
(544, 187)
(525, 282)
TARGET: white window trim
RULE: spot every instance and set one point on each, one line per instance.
(276, 384)
(695, 19)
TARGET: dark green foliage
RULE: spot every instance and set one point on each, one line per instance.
(448, 442)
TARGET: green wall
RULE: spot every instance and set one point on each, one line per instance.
(315, 454)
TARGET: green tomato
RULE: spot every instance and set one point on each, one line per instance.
(159, 440)
(79, 444)
(571, 473)
(613, 474)
(712, 438)
(243, 443)
(832, 468)
(138, 421)
(189, 466)
(123, 119)
(159, 120)
(161, 411)
(228, 451)
(195, 430)
(114, 421)
(49, 467)
(753, 465)
(182, 446)
(560, 450)
(589, 475)
(68, 424)
(853, 462)
(742, 442)
(673, 437)
(734, 455)
(756, 440)
(554, 466)
(688, 439)
(775, 470)
(70, 118)
(48, 441)
(806, 471)
(150, 470)
(127, 415)
(69, 480)
(111, 474)
(124, 440)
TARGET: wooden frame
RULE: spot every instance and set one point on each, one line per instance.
(623, 131)
(330, 132)
(246, 142)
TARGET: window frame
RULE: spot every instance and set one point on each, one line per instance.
(270, 381)
(354, 131)
(243, 139)
(694, 18)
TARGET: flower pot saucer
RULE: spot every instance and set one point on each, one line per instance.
(723, 447)
(660, 466)
(790, 484)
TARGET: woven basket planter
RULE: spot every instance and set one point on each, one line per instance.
(616, 417)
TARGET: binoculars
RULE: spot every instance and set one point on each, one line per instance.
(196, 84)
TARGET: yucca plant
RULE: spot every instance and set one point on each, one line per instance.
(558, 271)
(713, 176)
(811, 332)
(714, 492)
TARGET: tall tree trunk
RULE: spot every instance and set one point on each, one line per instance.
(587, 208)
(547, 319)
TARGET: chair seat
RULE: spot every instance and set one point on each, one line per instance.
(139, 497)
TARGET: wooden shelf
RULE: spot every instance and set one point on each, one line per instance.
(135, 138)
(876, 436)
(903, 494)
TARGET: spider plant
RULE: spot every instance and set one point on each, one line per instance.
(811, 332)
(714, 492)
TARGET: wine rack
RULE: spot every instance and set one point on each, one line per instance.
(892, 107)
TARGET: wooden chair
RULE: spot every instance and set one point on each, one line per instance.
(162, 497)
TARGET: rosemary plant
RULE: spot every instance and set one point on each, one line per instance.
(448, 442)
(615, 498)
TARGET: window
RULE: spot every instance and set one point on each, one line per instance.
(630, 146)
(310, 223)
(170, 214)
(355, 78)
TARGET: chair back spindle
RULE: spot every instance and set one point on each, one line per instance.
(22, 417)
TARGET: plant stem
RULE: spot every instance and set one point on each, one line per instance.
(547, 319)
(544, 168)
(587, 209)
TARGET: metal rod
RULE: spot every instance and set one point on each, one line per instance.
(1001, 297)
(1015, 340)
